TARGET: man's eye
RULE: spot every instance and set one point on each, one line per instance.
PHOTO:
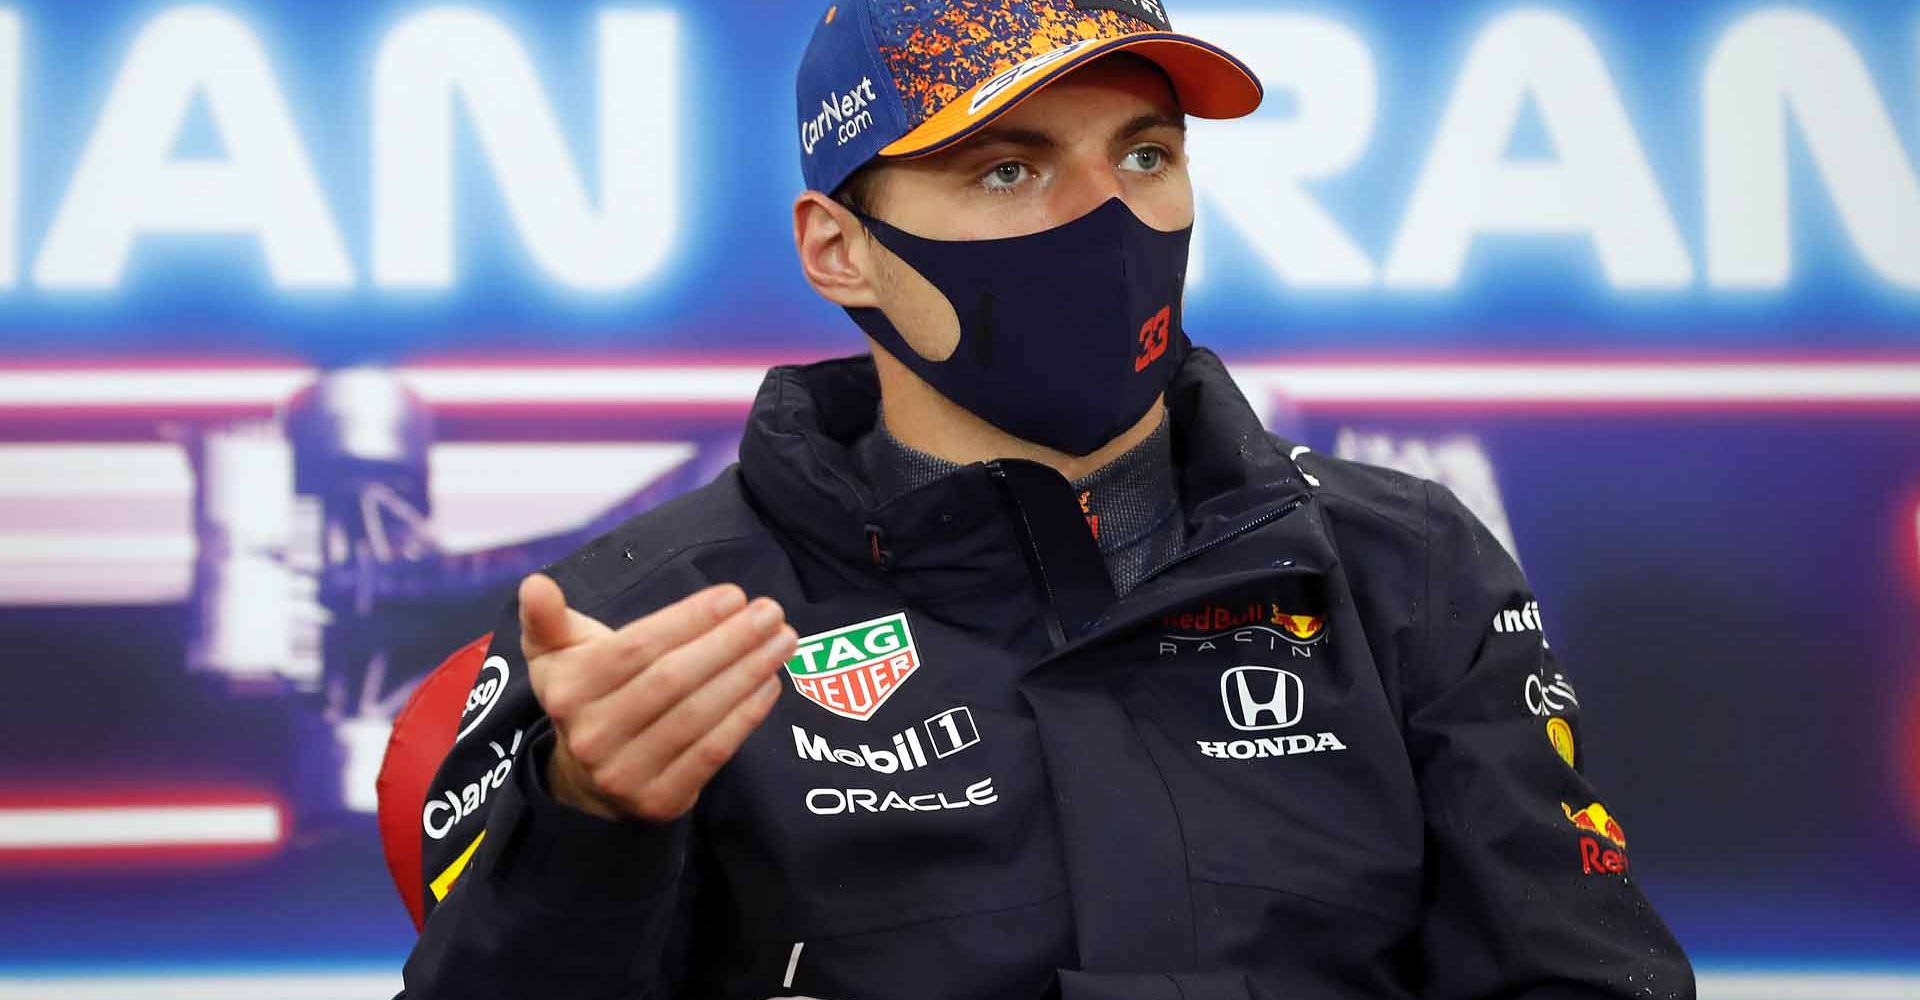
(1147, 159)
(1006, 175)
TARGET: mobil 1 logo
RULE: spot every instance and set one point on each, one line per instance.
(943, 735)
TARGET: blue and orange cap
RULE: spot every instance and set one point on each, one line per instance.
(905, 78)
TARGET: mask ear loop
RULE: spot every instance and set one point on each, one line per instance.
(979, 345)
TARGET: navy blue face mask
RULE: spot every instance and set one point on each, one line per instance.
(1067, 336)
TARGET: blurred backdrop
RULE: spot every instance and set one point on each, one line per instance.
(322, 323)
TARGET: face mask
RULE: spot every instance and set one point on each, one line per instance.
(1066, 336)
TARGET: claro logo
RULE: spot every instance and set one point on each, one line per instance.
(441, 815)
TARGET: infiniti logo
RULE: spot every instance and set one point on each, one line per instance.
(1258, 698)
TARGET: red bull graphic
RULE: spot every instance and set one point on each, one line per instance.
(1304, 628)
(1597, 858)
(1594, 819)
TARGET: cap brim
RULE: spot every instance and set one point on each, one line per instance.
(1209, 82)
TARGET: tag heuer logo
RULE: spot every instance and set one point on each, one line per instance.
(850, 671)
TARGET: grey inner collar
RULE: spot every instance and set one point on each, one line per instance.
(1132, 503)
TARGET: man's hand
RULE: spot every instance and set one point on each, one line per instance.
(645, 714)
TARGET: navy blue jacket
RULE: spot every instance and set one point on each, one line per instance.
(1324, 753)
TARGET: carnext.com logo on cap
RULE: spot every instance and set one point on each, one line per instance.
(845, 114)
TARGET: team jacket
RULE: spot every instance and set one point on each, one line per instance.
(1324, 753)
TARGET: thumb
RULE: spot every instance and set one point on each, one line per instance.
(546, 623)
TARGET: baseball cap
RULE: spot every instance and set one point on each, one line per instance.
(905, 78)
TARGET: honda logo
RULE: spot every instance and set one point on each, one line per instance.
(1259, 698)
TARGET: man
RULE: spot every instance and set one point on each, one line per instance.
(1063, 678)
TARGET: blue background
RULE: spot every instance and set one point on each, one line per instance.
(1735, 591)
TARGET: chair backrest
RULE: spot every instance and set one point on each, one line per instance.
(423, 732)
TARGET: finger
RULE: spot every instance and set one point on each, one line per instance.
(546, 623)
(647, 639)
(647, 696)
(680, 782)
(604, 667)
(636, 760)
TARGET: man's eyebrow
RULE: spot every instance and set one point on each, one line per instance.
(1001, 135)
(1007, 135)
(1153, 119)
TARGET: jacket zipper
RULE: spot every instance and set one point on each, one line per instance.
(1056, 630)
(1241, 529)
(1267, 518)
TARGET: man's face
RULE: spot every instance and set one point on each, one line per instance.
(1110, 129)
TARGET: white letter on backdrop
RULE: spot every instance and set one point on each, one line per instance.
(1782, 62)
(1255, 170)
(1599, 185)
(127, 186)
(446, 53)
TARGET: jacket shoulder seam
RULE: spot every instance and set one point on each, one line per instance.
(1350, 502)
(662, 562)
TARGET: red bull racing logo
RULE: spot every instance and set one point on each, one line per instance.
(1597, 825)
(852, 670)
(1302, 630)
(1245, 628)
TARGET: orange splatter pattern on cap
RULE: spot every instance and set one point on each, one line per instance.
(957, 44)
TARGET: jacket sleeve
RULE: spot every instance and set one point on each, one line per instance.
(1530, 891)
(529, 897)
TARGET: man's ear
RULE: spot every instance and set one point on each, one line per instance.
(834, 252)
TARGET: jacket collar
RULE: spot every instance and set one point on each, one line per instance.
(798, 464)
